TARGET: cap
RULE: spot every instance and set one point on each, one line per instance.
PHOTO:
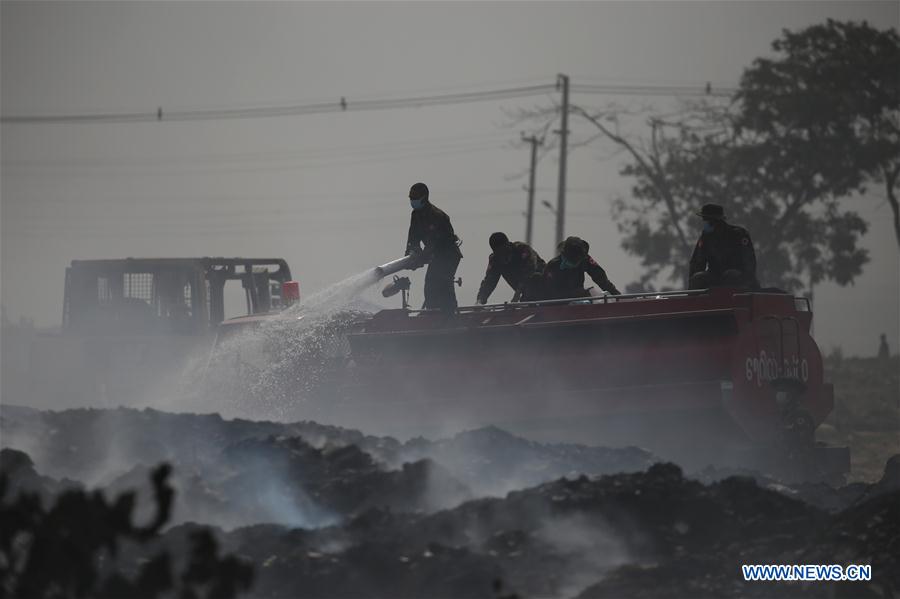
(575, 249)
(418, 191)
(498, 240)
(712, 211)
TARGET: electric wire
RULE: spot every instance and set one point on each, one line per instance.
(652, 90)
(344, 104)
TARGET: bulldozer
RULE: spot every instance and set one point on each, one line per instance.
(132, 326)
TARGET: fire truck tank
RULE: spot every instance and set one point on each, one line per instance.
(720, 376)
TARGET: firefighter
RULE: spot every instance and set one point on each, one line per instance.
(723, 256)
(515, 261)
(564, 275)
(432, 240)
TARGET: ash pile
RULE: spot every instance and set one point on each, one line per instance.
(320, 511)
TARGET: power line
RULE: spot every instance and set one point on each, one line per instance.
(620, 80)
(344, 104)
(654, 90)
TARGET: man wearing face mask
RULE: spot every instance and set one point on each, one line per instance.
(515, 261)
(564, 275)
(723, 256)
(432, 239)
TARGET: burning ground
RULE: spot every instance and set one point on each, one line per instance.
(322, 511)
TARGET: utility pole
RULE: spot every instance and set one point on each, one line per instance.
(529, 222)
(562, 81)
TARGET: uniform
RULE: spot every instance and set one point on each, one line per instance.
(724, 257)
(562, 283)
(431, 233)
(523, 262)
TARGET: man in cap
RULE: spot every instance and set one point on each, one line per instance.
(564, 275)
(515, 261)
(432, 239)
(723, 256)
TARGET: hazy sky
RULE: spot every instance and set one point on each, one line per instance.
(328, 192)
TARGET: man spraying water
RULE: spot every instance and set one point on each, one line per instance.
(432, 240)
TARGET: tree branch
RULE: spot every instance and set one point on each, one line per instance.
(792, 209)
(890, 179)
(651, 166)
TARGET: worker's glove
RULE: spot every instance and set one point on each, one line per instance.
(418, 259)
(426, 256)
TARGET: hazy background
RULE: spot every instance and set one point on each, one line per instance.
(328, 192)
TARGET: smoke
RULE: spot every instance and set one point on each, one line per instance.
(588, 547)
(267, 491)
(273, 370)
(295, 365)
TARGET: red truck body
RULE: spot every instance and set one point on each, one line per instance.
(721, 369)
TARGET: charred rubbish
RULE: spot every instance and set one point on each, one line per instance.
(633, 534)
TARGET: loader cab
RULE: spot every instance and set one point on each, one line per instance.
(186, 296)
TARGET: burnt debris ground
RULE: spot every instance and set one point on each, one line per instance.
(321, 511)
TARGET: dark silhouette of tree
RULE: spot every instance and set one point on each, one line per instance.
(805, 130)
(66, 550)
(801, 234)
(825, 112)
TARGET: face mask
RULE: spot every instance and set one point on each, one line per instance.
(708, 227)
(416, 204)
(566, 265)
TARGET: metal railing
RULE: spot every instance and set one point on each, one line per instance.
(594, 299)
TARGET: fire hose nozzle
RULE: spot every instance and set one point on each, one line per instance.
(407, 262)
(396, 286)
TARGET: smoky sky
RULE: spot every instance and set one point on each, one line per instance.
(328, 192)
